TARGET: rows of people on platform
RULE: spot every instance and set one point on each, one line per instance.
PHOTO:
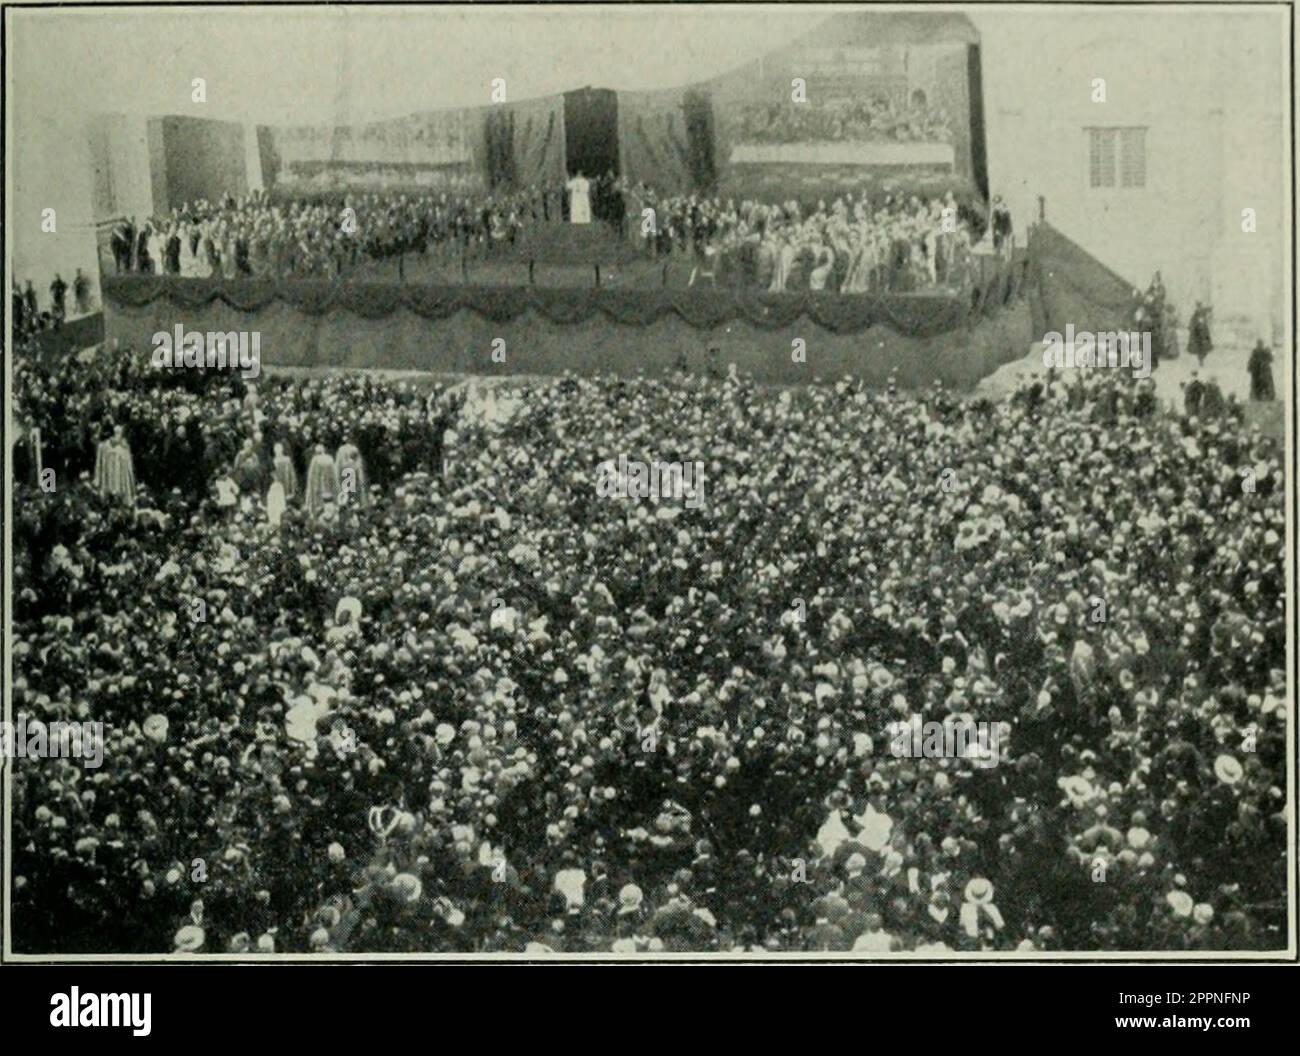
(851, 245)
(327, 236)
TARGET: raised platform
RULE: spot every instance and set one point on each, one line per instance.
(567, 244)
(550, 330)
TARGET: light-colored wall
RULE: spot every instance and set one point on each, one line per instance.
(1210, 86)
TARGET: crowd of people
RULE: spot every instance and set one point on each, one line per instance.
(30, 318)
(325, 236)
(851, 245)
(479, 709)
(835, 121)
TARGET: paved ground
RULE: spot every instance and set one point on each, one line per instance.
(1226, 366)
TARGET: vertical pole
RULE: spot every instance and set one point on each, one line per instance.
(36, 450)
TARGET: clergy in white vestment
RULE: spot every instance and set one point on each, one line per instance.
(275, 504)
(579, 200)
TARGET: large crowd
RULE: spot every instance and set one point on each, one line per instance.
(327, 235)
(852, 245)
(480, 709)
(874, 120)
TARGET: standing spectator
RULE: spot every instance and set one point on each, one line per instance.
(1002, 234)
(59, 299)
(143, 264)
(81, 292)
(1199, 342)
(173, 251)
(1261, 372)
(114, 468)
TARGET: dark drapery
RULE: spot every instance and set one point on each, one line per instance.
(912, 315)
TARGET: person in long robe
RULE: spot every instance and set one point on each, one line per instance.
(282, 469)
(322, 481)
(114, 468)
(352, 474)
(275, 504)
(248, 468)
(1261, 372)
(821, 273)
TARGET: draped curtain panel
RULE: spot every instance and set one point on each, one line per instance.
(654, 143)
(921, 315)
(1072, 286)
(538, 138)
(562, 335)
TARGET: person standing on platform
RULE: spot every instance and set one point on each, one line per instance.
(1003, 239)
(579, 188)
(1261, 372)
(81, 292)
(59, 299)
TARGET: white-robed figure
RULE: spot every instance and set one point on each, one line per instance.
(352, 474)
(322, 481)
(275, 504)
(114, 468)
(579, 200)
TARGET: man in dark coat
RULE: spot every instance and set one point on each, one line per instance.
(1002, 235)
(1198, 338)
(59, 297)
(1261, 372)
(142, 262)
(173, 266)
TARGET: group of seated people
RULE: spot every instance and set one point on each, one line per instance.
(851, 245)
(874, 120)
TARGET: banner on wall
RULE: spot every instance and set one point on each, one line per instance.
(431, 150)
(875, 102)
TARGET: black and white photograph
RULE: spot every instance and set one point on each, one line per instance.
(649, 483)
